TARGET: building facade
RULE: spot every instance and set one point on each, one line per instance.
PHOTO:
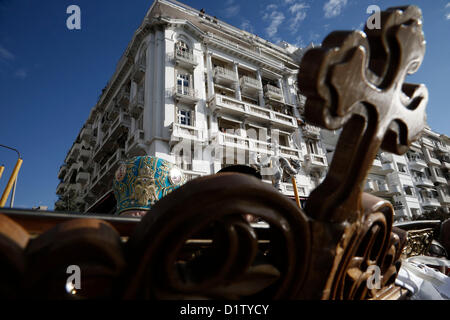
(200, 93)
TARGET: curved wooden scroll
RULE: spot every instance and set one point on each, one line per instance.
(13, 240)
(356, 81)
(91, 244)
(234, 265)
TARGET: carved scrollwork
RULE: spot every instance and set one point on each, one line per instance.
(236, 262)
(371, 245)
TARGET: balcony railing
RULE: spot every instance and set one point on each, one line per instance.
(224, 75)
(290, 152)
(417, 162)
(251, 111)
(250, 85)
(123, 97)
(62, 171)
(135, 144)
(273, 92)
(82, 177)
(423, 181)
(185, 58)
(60, 188)
(316, 161)
(86, 134)
(311, 131)
(235, 141)
(185, 94)
(181, 131)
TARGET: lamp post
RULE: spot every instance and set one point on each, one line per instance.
(12, 180)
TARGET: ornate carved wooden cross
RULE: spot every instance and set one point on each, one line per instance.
(356, 81)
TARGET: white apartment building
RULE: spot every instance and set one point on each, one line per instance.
(197, 92)
(415, 182)
(200, 93)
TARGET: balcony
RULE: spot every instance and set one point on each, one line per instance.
(60, 189)
(123, 97)
(185, 94)
(113, 161)
(443, 196)
(135, 145)
(84, 155)
(430, 158)
(311, 131)
(273, 92)
(138, 71)
(387, 167)
(243, 143)
(137, 105)
(252, 112)
(62, 171)
(119, 126)
(423, 181)
(180, 132)
(191, 175)
(82, 177)
(417, 162)
(437, 179)
(185, 58)
(86, 134)
(224, 76)
(429, 202)
(315, 161)
(290, 152)
(441, 147)
(105, 125)
(250, 85)
(445, 162)
(377, 166)
(73, 188)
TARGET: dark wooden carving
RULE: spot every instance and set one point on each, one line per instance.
(355, 81)
(234, 265)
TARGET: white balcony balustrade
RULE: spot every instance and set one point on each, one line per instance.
(184, 58)
(273, 92)
(224, 76)
(250, 85)
(181, 131)
(185, 94)
(252, 112)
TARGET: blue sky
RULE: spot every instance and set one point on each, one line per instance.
(50, 77)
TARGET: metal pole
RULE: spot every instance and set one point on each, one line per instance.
(297, 199)
(11, 181)
(11, 203)
(2, 168)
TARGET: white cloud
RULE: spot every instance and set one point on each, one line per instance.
(231, 9)
(5, 54)
(276, 18)
(447, 15)
(333, 8)
(245, 25)
(299, 12)
(21, 73)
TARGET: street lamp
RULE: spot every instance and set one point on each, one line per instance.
(12, 180)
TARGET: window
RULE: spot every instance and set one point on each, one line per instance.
(312, 147)
(183, 83)
(409, 191)
(184, 117)
(401, 168)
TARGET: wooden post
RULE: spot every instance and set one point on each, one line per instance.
(2, 168)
